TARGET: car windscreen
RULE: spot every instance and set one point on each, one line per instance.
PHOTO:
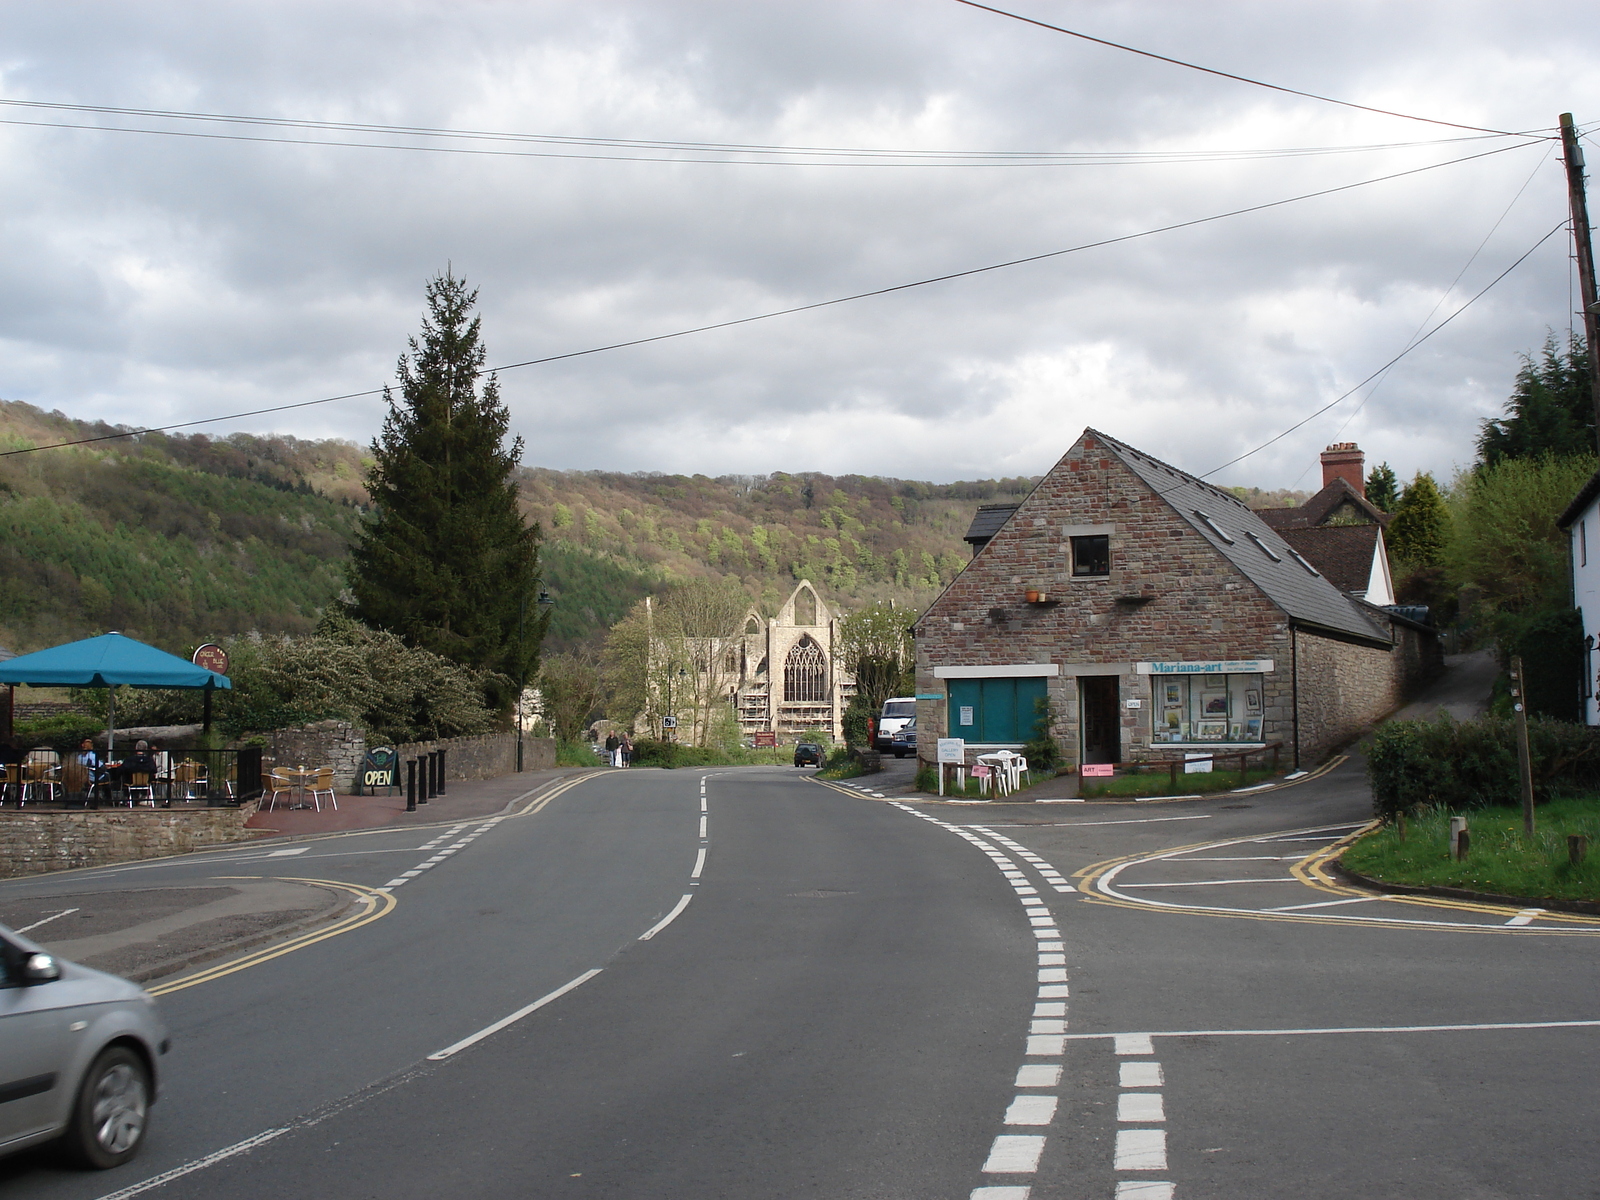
(900, 708)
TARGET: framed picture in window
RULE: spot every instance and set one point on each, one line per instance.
(1252, 700)
(1211, 731)
(1174, 717)
(1236, 731)
(1216, 704)
(1172, 694)
(1252, 729)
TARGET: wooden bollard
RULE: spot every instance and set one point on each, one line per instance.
(1463, 844)
(1577, 848)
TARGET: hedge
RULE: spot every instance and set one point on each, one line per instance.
(1473, 764)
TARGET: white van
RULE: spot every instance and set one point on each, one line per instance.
(897, 710)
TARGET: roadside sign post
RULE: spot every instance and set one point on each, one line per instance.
(953, 752)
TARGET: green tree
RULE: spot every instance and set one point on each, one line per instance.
(1383, 489)
(874, 644)
(1507, 542)
(1420, 530)
(570, 692)
(446, 561)
(1550, 411)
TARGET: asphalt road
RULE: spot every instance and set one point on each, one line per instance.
(861, 998)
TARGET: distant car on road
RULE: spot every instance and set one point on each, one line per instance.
(808, 754)
(78, 1053)
(904, 741)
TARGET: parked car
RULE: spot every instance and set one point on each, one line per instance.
(78, 1052)
(897, 710)
(808, 754)
(904, 741)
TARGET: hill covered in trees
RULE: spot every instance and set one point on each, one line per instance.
(180, 539)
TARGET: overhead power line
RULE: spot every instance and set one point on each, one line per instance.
(1555, 229)
(1178, 62)
(566, 146)
(815, 305)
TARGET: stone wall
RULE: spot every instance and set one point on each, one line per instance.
(321, 744)
(32, 843)
(343, 746)
(486, 757)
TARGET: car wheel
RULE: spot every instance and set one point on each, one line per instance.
(110, 1113)
(899, 753)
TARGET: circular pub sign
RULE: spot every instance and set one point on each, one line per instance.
(212, 657)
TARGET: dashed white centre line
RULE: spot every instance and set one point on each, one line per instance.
(1141, 1150)
(1015, 1154)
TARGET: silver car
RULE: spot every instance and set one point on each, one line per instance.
(78, 1052)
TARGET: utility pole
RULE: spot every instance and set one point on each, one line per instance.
(1583, 250)
(1519, 698)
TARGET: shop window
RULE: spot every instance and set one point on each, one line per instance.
(1091, 555)
(1207, 708)
(994, 710)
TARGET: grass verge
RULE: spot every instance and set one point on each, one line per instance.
(1500, 860)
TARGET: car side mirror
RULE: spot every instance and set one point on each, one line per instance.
(40, 968)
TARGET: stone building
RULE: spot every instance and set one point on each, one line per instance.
(1156, 616)
(781, 673)
(1339, 530)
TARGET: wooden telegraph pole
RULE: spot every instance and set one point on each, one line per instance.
(1583, 250)
(1519, 702)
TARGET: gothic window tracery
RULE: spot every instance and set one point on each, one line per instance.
(805, 674)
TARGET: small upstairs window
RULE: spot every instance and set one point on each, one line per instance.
(1091, 555)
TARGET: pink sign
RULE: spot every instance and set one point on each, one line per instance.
(1096, 770)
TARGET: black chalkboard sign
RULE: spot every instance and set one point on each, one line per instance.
(378, 770)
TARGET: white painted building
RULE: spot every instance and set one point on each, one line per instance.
(1582, 523)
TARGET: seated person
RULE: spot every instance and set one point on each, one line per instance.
(90, 759)
(138, 763)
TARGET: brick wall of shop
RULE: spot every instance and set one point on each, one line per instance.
(1194, 605)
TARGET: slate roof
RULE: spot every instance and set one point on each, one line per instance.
(1343, 553)
(1321, 506)
(1305, 595)
(986, 522)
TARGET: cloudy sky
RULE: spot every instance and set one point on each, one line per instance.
(150, 278)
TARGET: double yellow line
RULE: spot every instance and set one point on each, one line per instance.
(374, 904)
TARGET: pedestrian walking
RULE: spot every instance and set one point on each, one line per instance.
(627, 750)
(613, 749)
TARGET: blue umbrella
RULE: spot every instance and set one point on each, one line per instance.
(108, 661)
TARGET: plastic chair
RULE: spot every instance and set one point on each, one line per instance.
(321, 784)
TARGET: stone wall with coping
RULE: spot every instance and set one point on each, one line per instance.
(344, 746)
(32, 843)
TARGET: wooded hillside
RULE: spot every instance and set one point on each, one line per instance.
(180, 539)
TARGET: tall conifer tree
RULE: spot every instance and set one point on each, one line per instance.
(446, 560)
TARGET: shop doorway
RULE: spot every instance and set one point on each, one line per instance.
(1100, 718)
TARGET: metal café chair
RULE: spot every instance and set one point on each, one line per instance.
(320, 783)
(187, 778)
(140, 789)
(279, 784)
(11, 784)
(40, 773)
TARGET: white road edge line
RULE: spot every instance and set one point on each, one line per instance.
(199, 1164)
(1482, 1028)
(668, 919)
(489, 1030)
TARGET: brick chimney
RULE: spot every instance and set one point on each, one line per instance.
(1344, 460)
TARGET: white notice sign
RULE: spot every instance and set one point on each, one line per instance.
(966, 715)
(953, 750)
